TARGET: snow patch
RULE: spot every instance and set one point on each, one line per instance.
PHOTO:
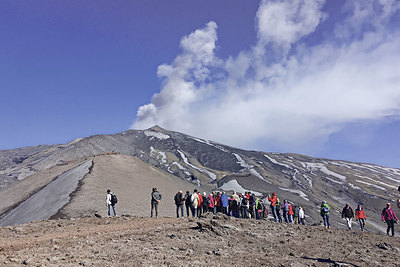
(379, 182)
(309, 180)
(213, 176)
(355, 187)
(181, 168)
(373, 185)
(324, 169)
(233, 185)
(158, 135)
(210, 144)
(276, 162)
(249, 167)
(300, 193)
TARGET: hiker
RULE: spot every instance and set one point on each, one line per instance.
(252, 204)
(230, 206)
(265, 210)
(273, 200)
(155, 199)
(360, 216)
(206, 202)
(195, 202)
(243, 207)
(398, 203)
(348, 214)
(285, 210)
(179, 200)
(301, 215)
(390, 218)
(278, 209)
(211, 206)
(259, 209)
(188, 203)
(296, 215)
(110, 202)
(199, 205)
(235, 205)
(217, 202)
(325, 209)
(224, 203)
(290, 213)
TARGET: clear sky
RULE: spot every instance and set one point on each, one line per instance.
(315, 77)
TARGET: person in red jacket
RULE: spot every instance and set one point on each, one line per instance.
(211, 203)
(390, 218)
(217, 202)
(199, 205)
(273, 200)
(360, 216)
(290, 213)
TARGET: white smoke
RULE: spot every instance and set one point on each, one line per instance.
(283, 93)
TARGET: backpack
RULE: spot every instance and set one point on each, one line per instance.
(206, 201)
(326, 209)
(244, 201)
(286, 208)
(156, 195)
(114, 199)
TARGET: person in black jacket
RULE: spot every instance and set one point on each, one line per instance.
(188, 203)
(155, 199)
(348, 214)
(179, 200)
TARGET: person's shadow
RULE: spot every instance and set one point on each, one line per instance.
(335, 263)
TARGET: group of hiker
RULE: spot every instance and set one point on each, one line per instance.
(388, 216)
(250, 206)
(246, 206)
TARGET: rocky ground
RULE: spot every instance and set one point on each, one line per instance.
(209, 241)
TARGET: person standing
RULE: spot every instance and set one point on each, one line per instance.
(301, 215)
(217, 202)
(188, 202)
(252, 204)
(195, 202)
(285, 210)
(110, 202)
(243, 207)
(390, 218)
(224, 203)
(211, 203)
(206, 202)
(360, 216)
(325, 209)
(179, 200)
(235, 205)
(290, 213)
(348, 214)
(273, 200)
(296, 215)
(155, 199)
(199, 204)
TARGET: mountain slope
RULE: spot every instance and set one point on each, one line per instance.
(304, 180)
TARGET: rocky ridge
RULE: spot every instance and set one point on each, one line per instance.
(208, 241)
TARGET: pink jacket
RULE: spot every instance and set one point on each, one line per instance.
(388, 214)
(211, 205)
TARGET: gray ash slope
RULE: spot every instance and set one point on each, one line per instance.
(304, 180)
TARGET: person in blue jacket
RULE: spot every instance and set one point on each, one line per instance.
(224, 203)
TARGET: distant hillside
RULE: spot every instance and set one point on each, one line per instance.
(304, 180)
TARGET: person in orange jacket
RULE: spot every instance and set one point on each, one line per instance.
(290, 213)
(273, 200)
(360, 216)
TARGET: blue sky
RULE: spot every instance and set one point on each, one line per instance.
(313, 77)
